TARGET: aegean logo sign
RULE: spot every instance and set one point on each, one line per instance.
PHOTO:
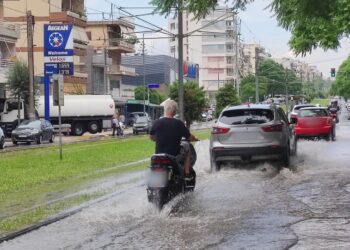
(57, 28)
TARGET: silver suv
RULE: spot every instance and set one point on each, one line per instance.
(256, 131)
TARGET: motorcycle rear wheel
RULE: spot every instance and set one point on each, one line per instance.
(159, 198)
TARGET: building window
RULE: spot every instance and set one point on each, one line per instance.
(172, 49)
(172, 26)
(229, 34)
(213, 49)
(229, 23)
(229, 47)
(229, 59)
(229, 71)
(114, 84)
(88, 33)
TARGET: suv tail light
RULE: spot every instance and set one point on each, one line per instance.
(273, 128)
(219, 130)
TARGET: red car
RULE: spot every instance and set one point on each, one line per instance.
(315, 122)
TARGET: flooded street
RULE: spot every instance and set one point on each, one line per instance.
(250, 207)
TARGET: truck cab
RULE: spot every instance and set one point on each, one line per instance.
(10, 109)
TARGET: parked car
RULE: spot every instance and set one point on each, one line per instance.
(142, 124)
(315, 122)
(2, 139)
(296, 108)
(33, 131)
(248, 132)
(131, 118)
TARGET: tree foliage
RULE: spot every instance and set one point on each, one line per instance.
(18, 80)
(194, 100)
(247, 89)
(313, 23)
(200, 8)
(154, 96)
(227, 95)
(341, 86)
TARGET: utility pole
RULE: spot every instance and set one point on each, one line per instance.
(256, 75)
(218, 80)
(285, 82)
(30, 24)
(180, 62)
(144, 73)
(235, 20)
(237, 53)
(105, 71)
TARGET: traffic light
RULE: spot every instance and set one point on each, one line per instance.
(332, 72)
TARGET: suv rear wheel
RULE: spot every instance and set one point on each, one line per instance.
(286, 157)
(214, 165)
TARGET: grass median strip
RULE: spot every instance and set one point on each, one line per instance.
(33, 177)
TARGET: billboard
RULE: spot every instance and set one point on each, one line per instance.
(58, 49)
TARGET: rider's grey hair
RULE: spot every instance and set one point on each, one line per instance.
(170, 107)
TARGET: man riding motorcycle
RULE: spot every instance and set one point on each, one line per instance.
(167, 132)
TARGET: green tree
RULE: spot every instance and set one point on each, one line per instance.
(198, 7)
(247, 88)
(226, 95)
(194, 100)
(154, 96)
(18, 82)
(341, 86)
(313, 23)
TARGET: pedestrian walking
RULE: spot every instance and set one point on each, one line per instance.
(115, 124)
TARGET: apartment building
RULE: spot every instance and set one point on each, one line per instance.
(253, 54)
(159, 69)
(49, 11)
(212, 43)
(110, 40)
(9, 33)
(305, 72)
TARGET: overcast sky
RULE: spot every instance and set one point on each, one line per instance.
(258, 25)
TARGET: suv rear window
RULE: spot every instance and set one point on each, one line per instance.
(246, 116)
(312, 113)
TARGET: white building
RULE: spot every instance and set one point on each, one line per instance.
(304, 71)
(253, 53)
(211, 43)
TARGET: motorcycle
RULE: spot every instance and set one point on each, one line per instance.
(166, 178)
(334, 114)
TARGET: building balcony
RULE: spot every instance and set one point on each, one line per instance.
(122, 46)
(121, 70)
(9, 32)
(69, 17)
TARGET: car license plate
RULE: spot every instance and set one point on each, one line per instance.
(157, 179)
(22, 136)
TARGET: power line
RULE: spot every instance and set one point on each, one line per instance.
(141, 19)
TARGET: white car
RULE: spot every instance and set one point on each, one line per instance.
(2, 139)
(296, 108)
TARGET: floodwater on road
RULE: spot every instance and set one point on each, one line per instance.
(254, 206)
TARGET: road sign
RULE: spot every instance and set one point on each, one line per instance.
(153, 86)
(58, 90)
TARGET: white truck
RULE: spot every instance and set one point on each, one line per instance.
(83, 113)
